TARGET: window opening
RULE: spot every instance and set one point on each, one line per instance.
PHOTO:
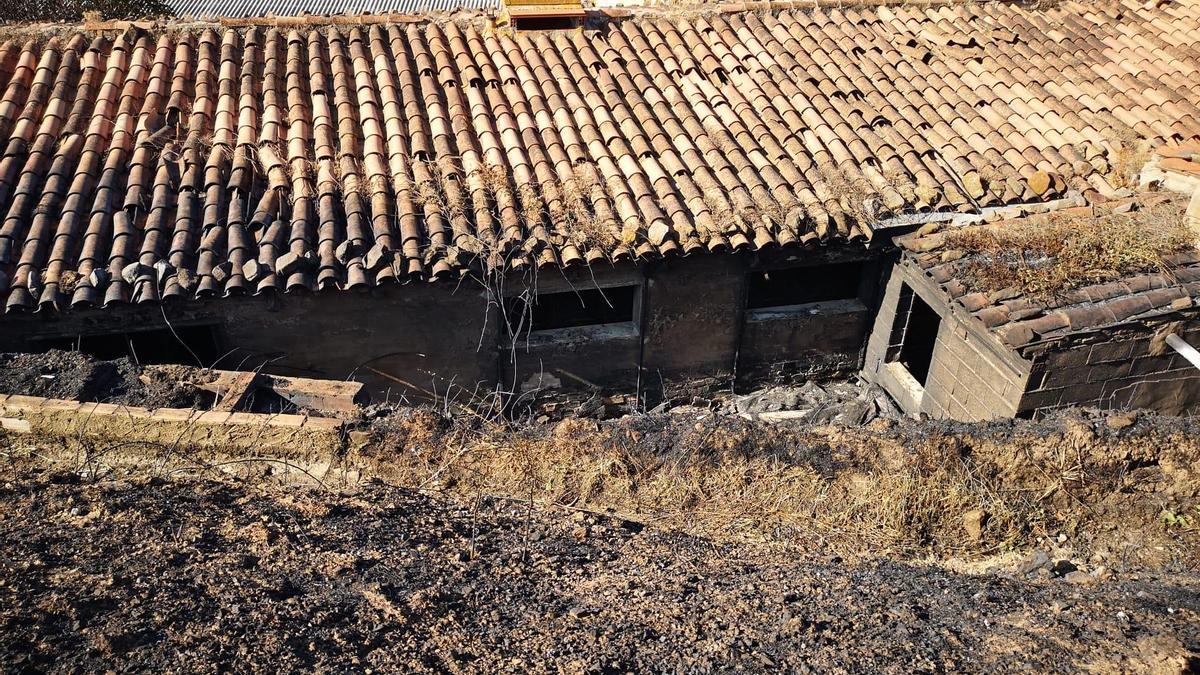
(572, 309)
(804, 285)
(914, 334)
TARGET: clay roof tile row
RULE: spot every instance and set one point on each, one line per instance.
(138, 167)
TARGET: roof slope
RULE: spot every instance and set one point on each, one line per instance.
(200, 9)
(143, 166)
(1020, 321)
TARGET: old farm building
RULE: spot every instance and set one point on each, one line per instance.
(640, 201)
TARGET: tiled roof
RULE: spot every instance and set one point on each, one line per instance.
(1019, 321)
(200, 9)
(143, 166)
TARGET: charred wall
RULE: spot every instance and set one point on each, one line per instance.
(822, 335)
(649, 325)
(427, 335)
(1127, 366)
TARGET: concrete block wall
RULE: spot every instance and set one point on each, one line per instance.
(971, 377)
(427, 335)
(968, 379)
(421, 338)
(229, 433)
(1121, 368)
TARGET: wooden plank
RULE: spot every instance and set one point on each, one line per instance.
(241, 386)
(313, 394)
(331, 395)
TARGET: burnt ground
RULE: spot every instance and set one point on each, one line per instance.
(76, 376)
(183, 574)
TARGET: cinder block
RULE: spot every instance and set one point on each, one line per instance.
(136, 411)
(24, 402)
(1083, 393)
(1063, 377)
(286, 420)
(1140, 348)
(98, 409)
(58, 404)
(931, 406)
(1070, 358)
(1149, 365)
(1172, 397)
(174, 414)
(247, 419)
(326, 423)
(1036, 380)
(982, 378)
(1108, 371)
(1106, 352)
(1045, 398)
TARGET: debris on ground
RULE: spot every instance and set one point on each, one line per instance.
(848, 402)
(76, 376)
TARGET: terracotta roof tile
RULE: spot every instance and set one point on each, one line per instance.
(141, 166)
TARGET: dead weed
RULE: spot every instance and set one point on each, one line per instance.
(1048, 255)
(851, 490)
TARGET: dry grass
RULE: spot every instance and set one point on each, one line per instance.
(1047, 255)
(904, 490)
(1129, 154)
(582, 191)
(857, 196)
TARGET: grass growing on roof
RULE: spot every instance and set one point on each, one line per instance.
(1047, 255)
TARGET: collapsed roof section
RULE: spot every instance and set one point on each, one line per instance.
(1097, 294)
(183, 163)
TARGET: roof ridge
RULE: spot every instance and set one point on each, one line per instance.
(153, 24)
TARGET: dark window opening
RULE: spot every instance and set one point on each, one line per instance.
(802, 285)
(914, 333)
(586, 307)
(156, 346)
(546, 22)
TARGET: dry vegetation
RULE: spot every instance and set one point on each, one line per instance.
(1047, 255)
(1128, 155)
(904, 489)
(13, 11)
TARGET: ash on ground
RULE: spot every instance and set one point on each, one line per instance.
(79, 377)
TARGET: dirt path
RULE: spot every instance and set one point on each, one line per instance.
(199, 575)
